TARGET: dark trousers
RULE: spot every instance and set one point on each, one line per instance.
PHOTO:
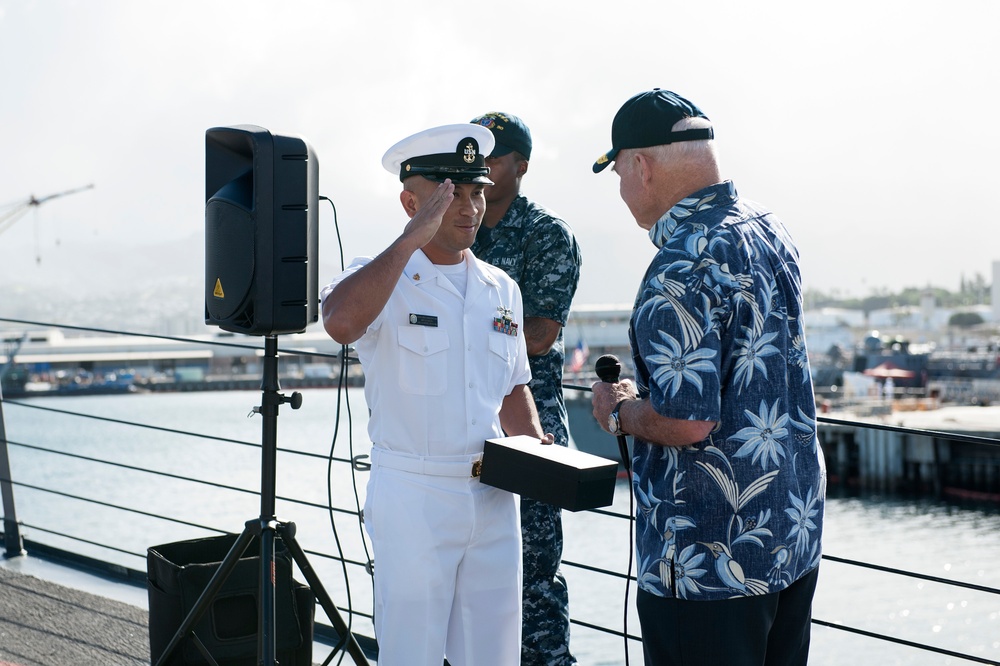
(766, 630)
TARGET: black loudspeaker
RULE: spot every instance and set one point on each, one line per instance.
(177, 573)
(261, 231)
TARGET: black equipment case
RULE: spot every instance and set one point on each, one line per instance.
(558, 475)
(177, 573)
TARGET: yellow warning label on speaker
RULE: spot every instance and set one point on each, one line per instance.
(218, 293)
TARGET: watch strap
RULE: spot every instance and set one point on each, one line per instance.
(616, 413)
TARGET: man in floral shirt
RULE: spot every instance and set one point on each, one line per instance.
(538, 250)
(727, 470)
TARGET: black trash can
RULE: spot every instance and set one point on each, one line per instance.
(177, 574)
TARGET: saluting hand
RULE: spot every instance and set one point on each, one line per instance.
(427, 219)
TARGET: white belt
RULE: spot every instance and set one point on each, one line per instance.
(460, 466)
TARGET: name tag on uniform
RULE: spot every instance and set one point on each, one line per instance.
(423, 320)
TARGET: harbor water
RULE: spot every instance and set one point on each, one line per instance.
(929, 537)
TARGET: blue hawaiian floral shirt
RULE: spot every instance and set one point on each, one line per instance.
(717, 335)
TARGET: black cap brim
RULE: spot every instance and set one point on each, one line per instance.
(458, 179)
(604, 160)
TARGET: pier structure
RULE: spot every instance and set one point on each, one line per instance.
(49, 362)
(944, 458)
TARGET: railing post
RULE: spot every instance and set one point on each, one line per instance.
(13, 544)
(843, 458)
(865, 465)
(938, 468)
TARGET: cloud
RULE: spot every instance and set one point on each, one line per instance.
(868, 128)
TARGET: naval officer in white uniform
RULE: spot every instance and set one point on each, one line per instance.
(438, 335)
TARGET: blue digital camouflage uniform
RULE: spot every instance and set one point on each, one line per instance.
(717, 335)
(539, 251)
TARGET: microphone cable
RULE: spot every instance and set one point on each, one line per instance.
(627, 462)
(343, 397)
(608, 369)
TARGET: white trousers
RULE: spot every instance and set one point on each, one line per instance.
(447, 569)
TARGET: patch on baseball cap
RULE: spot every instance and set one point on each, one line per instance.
(509, 131)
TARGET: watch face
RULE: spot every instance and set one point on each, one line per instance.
(613, 422)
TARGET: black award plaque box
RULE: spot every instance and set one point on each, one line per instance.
(557, 475)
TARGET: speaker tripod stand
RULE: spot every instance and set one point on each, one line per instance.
(267, 528)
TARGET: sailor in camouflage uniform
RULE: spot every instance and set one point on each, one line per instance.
(538, 250)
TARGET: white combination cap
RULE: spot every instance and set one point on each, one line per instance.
(455, 151)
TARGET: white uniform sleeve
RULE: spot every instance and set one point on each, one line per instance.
(352, 268)
(522, 371)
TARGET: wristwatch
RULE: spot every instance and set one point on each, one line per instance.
(614, 422)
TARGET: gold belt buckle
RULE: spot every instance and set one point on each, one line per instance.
(477, 468)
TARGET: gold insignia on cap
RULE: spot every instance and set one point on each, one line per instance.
(602, 159)
(407, 167)
(470, 153)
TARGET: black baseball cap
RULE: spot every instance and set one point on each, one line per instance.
(509, 131)
(646, 120)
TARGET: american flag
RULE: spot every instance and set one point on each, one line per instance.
(579, 357)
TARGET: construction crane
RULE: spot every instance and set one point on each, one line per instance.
(11, 213)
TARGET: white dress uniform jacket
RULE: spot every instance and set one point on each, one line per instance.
(447, 548)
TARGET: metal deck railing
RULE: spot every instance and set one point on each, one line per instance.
(354, 566)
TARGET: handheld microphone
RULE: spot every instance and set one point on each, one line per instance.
(609, 369)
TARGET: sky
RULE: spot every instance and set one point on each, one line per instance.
(870, 127)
